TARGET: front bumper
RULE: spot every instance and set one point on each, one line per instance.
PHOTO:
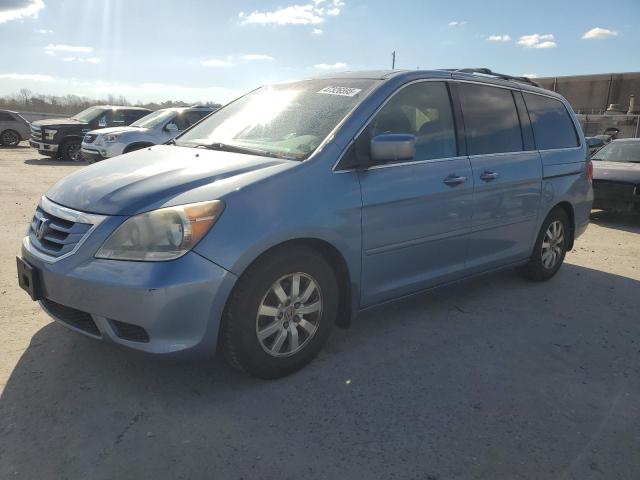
(616, 196)
(44, 147)
(91, 155)
(155, 307)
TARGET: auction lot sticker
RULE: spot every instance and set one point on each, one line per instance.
(342, 91)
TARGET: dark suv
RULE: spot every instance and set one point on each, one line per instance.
(61, 137)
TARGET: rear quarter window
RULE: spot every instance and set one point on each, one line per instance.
(552, 125)
(6, 117)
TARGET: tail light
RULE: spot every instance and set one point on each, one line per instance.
(590, 171)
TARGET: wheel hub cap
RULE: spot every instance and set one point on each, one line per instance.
(289, 314)
(553, 244)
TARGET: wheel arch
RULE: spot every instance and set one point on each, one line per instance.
(568, 208)
(337, 262)
(137, 146)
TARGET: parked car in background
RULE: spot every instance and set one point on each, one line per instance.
(13, 128)
(156, 128)
(616, 176)
(299, 204)
(61, 137)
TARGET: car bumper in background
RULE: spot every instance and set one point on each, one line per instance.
(44, 147)
(91, 155)
(155, 307)
(616, 196)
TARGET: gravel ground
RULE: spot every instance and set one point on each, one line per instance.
(494, 378)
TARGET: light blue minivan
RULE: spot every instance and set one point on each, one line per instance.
(299, 204)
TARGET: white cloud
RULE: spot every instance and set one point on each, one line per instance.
(308, 14)
(68, 48)
(43, 31)
(82, 60)
(317, 31)
(19, 9)
(530, 75)
(327, 66)
(256, 56)
(537, 40)
(49, 52)
(34, 77)
(598, 32)
(456, 23)
(213, 62)
(499, 38)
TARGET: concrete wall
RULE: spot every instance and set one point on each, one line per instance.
(594, 93)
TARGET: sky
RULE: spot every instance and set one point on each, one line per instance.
(206, 50)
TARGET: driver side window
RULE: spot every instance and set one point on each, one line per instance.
(423, 110)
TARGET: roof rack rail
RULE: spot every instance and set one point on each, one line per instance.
(491, 73)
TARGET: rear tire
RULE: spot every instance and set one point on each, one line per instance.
(270, 332)
(69, 151)
(550, 248)
(9, 138)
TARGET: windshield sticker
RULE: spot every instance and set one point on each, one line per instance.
(342, 91)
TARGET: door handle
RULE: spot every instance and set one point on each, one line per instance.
(488, 176)
(453, 180)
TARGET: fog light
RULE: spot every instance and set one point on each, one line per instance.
(103, 153)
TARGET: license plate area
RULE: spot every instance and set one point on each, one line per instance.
(29, 279)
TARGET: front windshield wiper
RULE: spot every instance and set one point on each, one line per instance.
(226, 147)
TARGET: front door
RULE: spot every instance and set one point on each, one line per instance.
(416, 215)
(507, 174)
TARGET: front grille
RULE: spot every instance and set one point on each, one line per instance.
(55, 236)
(90, 137)
(76, 318)
(36, 133)
(128, 331)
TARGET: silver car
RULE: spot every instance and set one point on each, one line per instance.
(13, 128)
(154, 129)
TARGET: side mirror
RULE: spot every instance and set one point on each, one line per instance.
(171, 127)
(393, 147)
(594, 142)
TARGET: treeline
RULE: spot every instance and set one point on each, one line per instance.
(27, 101)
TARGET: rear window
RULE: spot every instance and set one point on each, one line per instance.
(490, 119)
(552, 125)
(6, 117)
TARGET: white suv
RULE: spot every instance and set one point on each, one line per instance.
(156, 128)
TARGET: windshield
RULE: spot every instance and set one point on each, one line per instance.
(89, 114)
(154, 119)
(619, 152)
(288, 120)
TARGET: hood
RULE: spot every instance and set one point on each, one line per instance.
(104, 131)
(48, 122)
(624, 172)
(160, 176)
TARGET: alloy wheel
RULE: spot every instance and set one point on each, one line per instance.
(73, 151)
(10, 139)
(552, 244)
(289, 314)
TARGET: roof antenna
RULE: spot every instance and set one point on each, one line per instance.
(393, 60)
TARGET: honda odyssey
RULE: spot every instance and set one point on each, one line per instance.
(300, 204)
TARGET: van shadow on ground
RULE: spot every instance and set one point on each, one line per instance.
(629, 222)
(492, 378)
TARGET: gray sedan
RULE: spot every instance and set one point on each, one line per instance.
(616, 176)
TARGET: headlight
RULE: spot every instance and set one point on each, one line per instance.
(49, 134)
(163, 234)
(111, 138)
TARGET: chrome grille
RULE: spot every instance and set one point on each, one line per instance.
(53, 235)
(56, 231)
(36, 133)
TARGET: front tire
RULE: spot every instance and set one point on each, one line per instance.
(9, 138)
(550, 248)
(70, 151)
(280, 313)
